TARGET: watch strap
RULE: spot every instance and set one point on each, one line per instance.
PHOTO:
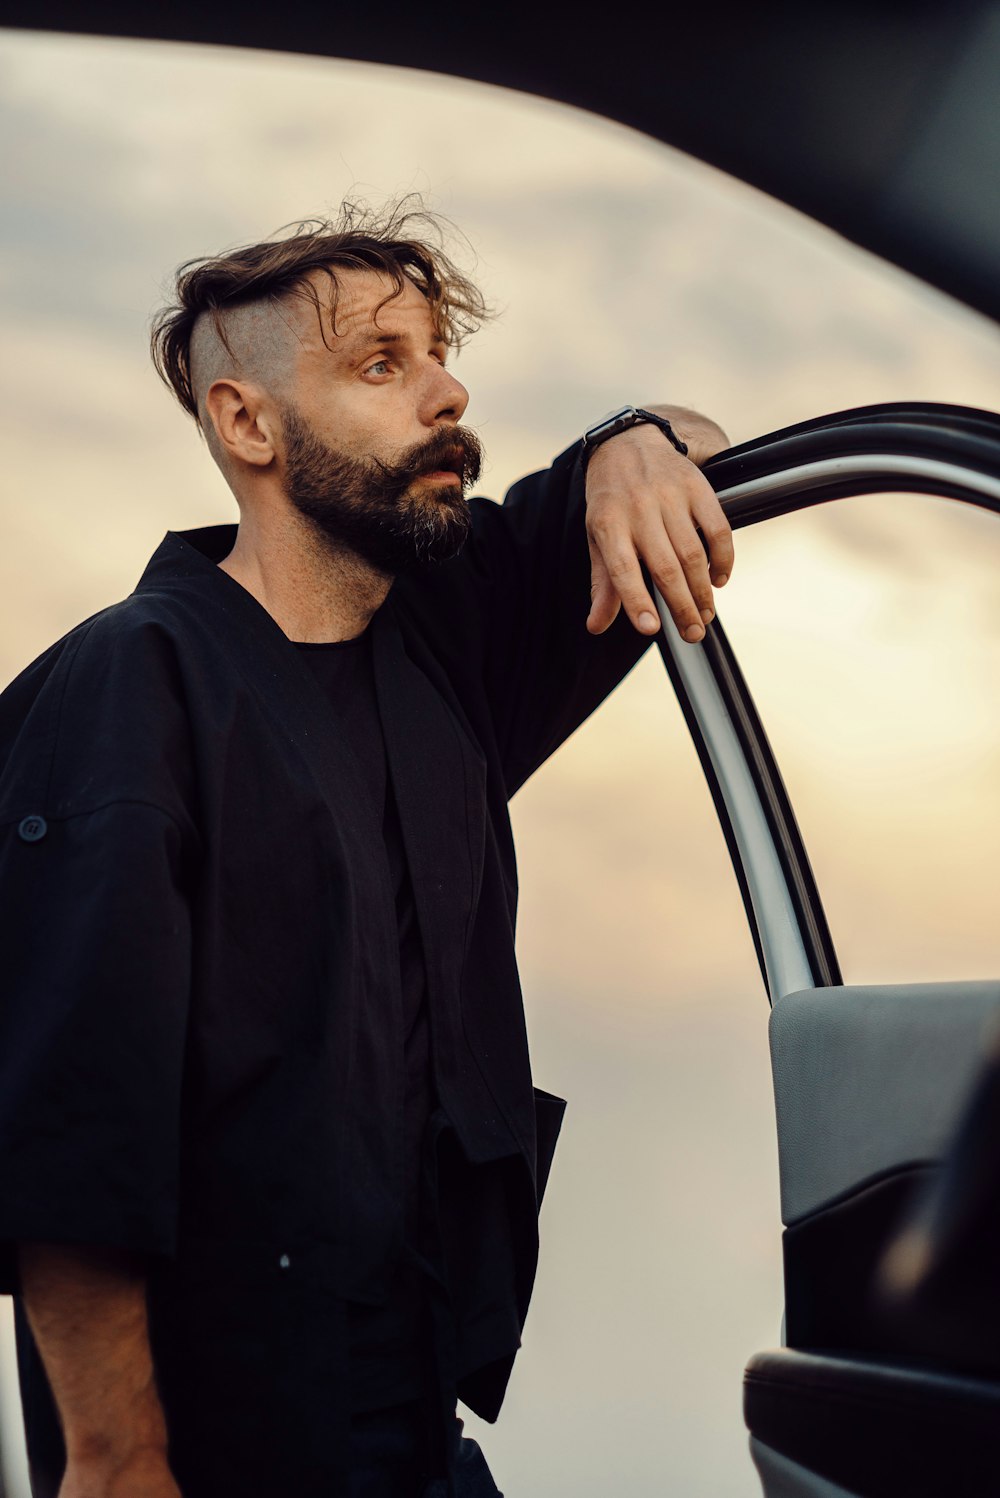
(665, 428)
(623, 421)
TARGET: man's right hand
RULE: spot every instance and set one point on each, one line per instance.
(649, 506)
(87, 1310)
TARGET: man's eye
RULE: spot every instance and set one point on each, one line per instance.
(380, 367)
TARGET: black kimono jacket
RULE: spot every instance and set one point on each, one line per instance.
(201, 1054)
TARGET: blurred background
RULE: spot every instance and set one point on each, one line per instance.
(869, 631)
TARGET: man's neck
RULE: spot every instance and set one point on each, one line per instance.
(313, 592)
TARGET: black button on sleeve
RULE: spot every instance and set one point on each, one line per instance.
(32, 829)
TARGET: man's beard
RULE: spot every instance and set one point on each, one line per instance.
(379, 511)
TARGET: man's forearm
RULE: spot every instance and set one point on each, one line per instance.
(703, 436)
(87, 1311)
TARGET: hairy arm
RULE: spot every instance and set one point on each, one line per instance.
(87, 1311)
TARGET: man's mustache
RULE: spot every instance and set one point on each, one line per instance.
(452, 449)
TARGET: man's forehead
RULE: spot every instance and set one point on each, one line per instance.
(363, 304)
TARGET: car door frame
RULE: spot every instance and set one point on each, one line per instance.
(952, 452)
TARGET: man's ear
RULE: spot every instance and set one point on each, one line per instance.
(243, 421)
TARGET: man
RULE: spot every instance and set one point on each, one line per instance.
(270, 1158)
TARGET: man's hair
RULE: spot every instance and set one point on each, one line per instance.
(403, 241)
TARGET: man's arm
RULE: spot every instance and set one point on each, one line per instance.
(646, 504)
(87, 1311)
(513, 607)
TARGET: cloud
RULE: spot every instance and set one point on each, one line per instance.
(624, 270)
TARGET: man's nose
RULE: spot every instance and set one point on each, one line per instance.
(446, 398)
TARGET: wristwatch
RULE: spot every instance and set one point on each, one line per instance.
(620, 421)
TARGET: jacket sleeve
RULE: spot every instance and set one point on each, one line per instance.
(544, 673)
(95, 936)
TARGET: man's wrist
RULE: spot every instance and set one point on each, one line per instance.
(701, 436)
(143, 1473)
(132, 1440)
(704, 437)
(627, 419)
(126, 1427)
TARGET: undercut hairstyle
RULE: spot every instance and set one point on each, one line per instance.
(403, 241)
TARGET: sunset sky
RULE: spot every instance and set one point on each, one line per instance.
(869, 631)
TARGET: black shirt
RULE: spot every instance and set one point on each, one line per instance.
(387, 1358)
(194, 1065)
(457, 1248)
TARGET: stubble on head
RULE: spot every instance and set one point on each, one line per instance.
(256, 341)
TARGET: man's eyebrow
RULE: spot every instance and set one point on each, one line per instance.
(359, 343)
(374, 334)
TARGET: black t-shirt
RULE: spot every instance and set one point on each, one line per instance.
(386, 1350)
(456, 1213)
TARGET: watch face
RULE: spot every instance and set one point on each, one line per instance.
(617, 421)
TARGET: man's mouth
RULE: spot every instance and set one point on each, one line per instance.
(450, 466)
(449, 460)
(438, 474)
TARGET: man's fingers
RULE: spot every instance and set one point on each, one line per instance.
(697, 505)
(682, 545)
(684, 541)
(718, 533)
(604, 601)
(670, 576)
(621, 567)
(616, 563)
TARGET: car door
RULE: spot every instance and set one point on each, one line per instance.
(869, 1080)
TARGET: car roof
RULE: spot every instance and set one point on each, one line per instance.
(878, 119)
